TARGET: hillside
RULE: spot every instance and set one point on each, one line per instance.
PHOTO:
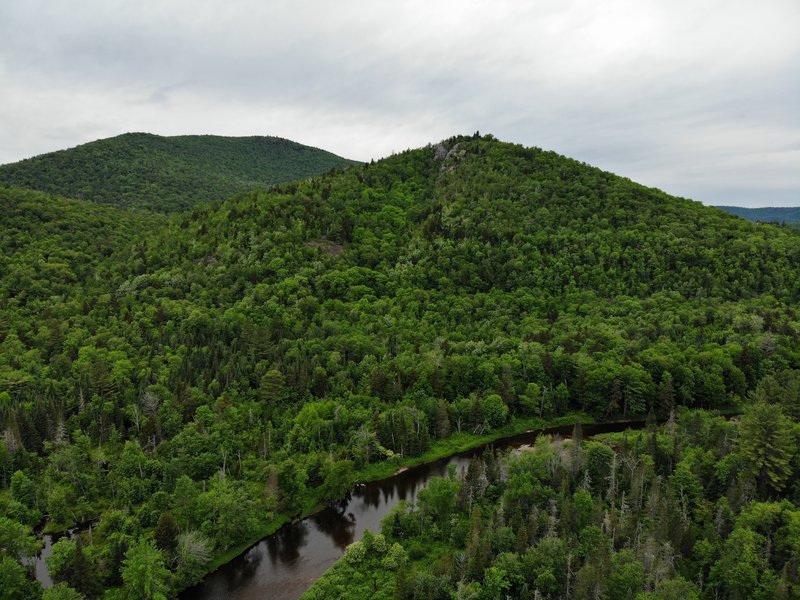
(50, 246)
(233, 365)
(766, 215)
(168, 174)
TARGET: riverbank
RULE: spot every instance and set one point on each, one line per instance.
(456, 443)
(283, 566)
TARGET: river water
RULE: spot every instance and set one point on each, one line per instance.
(285, 564)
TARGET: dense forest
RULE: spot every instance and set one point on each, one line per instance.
(168, 174)
(700, 507)
(786, 215)
(188, 383)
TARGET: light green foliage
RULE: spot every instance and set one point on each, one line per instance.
(740, 565)
(672, 589)
(627, 577)
(367, 570)
(59, 563)
(23, 490)
(61, 591)
(767, 445)
(192, 554)
(495, 410)
(227, 511)
(437, 501)
(144, 575)
(495, 583)
(17, 539)
(14, 584)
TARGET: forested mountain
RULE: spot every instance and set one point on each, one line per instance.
(193, 382)
(766, 215)
(168, 174)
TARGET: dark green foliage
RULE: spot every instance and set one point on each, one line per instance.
(239, 363)
(166, 533)
(168, 174)
(292, 484)
(69, 564)
(338, 480)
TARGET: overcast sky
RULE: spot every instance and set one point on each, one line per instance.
(698, 97)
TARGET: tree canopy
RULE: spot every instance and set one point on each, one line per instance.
(233, 365)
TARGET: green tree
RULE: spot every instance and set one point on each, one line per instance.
(61, 591)
(68, 563)
(272, 387)
(23, 489)
(338, 478)
(166, 533)
(193, 553)
(627, 577)
(438, 500)
(291, 486)
(144, 574)
(672, 589)
(767, 446)
(14, 583)
(17, 539)
(736, 574)
(494, 410)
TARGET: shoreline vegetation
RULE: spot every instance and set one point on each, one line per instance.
(461, 442)
(681, 510)
(439, 450)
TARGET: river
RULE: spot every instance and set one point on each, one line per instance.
(284, 565)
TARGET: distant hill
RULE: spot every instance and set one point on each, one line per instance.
(168, 174)
(766, 215)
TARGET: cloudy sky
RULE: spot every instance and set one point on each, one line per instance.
(698, 97)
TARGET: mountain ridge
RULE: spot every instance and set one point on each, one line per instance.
(768, 214)
(168, 173)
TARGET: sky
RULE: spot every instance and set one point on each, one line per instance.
(700, 98)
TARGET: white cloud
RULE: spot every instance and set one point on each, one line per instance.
(697, 98)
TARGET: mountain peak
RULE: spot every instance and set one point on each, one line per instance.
(168, 174)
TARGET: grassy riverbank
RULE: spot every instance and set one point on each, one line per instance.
(463, 441)
(454, 444)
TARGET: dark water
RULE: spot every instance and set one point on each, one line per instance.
(285, 564)
(39, 563)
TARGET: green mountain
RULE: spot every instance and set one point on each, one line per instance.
(168, 174)
(766, 215)
(217, 371)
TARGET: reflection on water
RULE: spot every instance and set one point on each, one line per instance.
(300, 552)
(39, 562)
